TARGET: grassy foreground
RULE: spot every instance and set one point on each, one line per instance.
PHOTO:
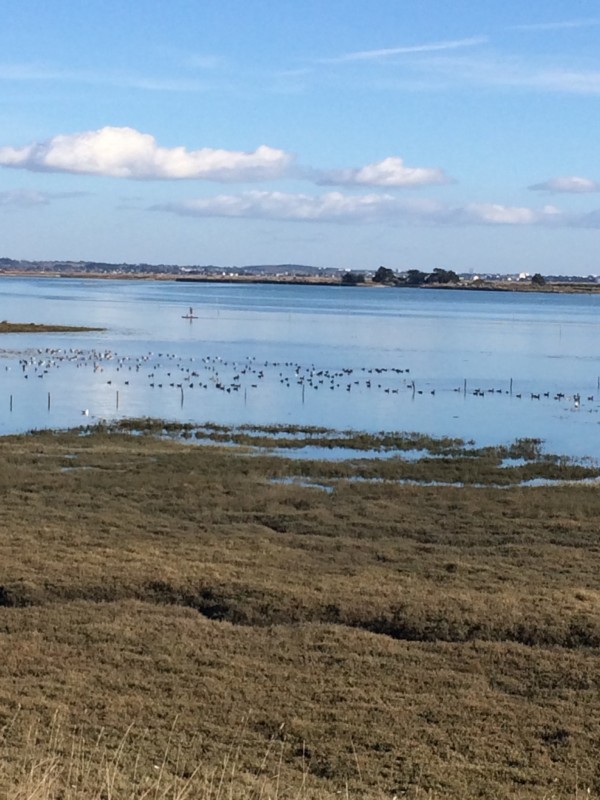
(180, 621)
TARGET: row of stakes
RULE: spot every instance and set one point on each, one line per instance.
(476, 392)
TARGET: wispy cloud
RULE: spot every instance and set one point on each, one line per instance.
(498, 214)
(17, 71)
(341, 208)
(150, 84)
(429, 47)
(205, 61)
(31, 198)
(561, 80)
(476, 62)
(389, 172)
(48, 73)
(127, 153)
(558, 26)
(330, 207)
(573, 184)
(444, 71)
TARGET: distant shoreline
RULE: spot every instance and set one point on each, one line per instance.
(476, 286)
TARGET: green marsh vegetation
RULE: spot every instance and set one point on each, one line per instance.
(192, 621)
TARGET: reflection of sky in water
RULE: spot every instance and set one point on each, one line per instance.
(544, 343)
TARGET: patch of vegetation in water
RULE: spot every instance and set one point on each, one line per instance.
(298, 436)
(443, 460)
(34, 327)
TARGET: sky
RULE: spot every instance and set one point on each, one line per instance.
(412, 134)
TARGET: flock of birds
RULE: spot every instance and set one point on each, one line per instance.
(574, 398)
(164, 370)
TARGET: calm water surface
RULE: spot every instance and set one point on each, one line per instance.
(371, 359)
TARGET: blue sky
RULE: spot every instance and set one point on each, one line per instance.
(346, 133)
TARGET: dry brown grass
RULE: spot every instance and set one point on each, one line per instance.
(59, 764)
(376, 640)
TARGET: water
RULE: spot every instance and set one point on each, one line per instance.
(368, 359)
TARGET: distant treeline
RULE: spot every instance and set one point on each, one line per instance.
(412, 277)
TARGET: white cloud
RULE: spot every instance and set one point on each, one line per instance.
(342, 208)
(127, 153)
(430, 47)
(568, 183)
(389, 172)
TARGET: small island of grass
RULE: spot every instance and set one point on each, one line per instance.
(33, 327)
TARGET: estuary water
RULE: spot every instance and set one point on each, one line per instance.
(483, 366)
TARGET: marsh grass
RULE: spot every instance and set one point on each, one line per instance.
(443, 460)
(58, 763)
(275, 436)
(380, 639)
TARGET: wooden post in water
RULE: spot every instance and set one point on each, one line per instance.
(11, 402)
(182, 396)
(48, 401)
(511, 387)
(465, 386)
(117, 399)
